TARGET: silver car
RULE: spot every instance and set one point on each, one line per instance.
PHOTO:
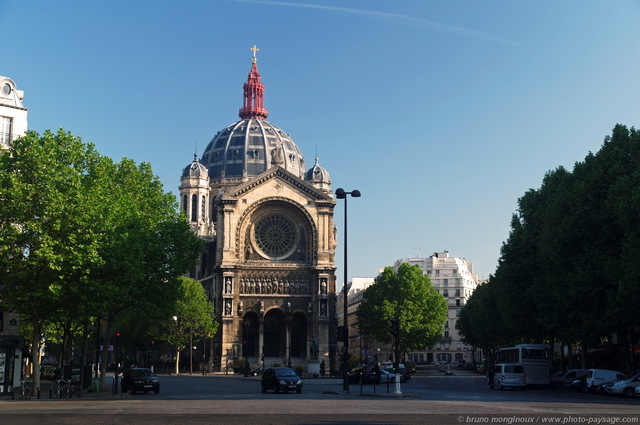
(625, 386)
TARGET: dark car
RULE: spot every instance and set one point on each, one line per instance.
(49, 372)
(280, 378)
(257, 371)
(580, 384)
(140, 380)
(365, 374)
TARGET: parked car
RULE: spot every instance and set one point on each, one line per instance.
(280, 378)
(257, 371)
(508, 375)
(140, 379)
(386, 376)
(625, 385)
(580, 384)
(404, 373)
(564, 379)
(391, 372)
(594, 378)
(365, 374)
(49, 372)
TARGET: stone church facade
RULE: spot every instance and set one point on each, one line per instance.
(268, 266)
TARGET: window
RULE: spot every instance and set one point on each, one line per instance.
(194, 207)
(457, 292)
(5, 130)
(458, 313)
(446, 334)
(184, 204)
(445, 293)
(445, 281)
(204, 208)
(275, 236)
(446, 325)
(457, 303)
(437, 272)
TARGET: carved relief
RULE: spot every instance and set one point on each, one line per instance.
(275, 284)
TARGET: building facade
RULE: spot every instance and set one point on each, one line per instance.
(268, 266)
(357, 344)
(13, 114)
(13, 124)
(453, 278)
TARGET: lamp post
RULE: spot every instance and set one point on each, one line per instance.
(342, 194)
(190, 342)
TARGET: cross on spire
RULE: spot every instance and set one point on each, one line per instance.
(254, 49)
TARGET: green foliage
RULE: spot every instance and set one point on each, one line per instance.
(193, 316)
(409, 296)
(568, 270)
(82, 235)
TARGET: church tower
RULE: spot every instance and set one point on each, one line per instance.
(268, 265)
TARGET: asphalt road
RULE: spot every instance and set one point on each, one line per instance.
(430, 397)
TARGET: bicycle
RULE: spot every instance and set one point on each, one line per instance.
(62, 389)
(24, 390)
(75, 389)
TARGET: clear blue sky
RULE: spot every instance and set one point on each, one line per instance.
(442, 113)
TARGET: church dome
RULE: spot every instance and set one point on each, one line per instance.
(318, 176)
(248, 148)
(252, 145)
(195, 169)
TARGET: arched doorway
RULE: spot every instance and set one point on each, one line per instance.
(274, 334)
(250, 334)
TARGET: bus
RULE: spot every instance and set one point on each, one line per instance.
(533, 357)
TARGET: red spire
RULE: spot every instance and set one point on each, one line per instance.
(253, 106)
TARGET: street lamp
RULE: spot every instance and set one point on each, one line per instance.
(190, 342)
(342, 194)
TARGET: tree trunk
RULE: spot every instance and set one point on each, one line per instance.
(105, 353)
(177, 361)
(35, 354)
(85, 353)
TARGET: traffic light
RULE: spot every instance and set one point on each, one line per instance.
(118, 335)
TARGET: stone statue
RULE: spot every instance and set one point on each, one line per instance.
(228, 285)
(313, 348)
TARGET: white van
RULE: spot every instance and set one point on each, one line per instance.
(597, 377)
(508, 375)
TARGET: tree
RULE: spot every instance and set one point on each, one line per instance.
(82, 235)
(406, 295)
(192, 318)
(568, 270)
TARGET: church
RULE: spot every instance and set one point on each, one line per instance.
(269, 262)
